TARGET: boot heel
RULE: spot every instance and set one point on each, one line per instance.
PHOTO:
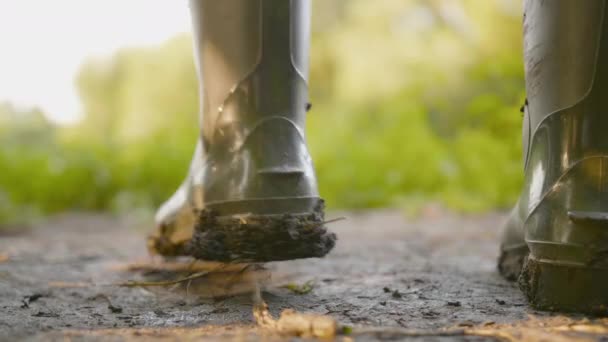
(265, 206)
(554, 286)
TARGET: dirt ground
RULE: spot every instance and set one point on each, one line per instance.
(390, 277)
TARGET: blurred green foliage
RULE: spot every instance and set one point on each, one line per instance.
(414, 101)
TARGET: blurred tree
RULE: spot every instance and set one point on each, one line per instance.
(24, 125)
(142, 104)
(458, 63)
(24, 133)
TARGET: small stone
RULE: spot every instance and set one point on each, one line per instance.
(115, 309)
(466, 324)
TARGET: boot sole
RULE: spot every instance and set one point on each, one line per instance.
(555, 286)
(238, 238)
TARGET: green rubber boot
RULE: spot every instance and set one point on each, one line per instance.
(251, 194)
(556, 240)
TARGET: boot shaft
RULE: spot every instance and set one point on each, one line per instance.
(252, 59)
(566, 116)
(561, 41)
(252, 62)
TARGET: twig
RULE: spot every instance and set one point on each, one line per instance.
(69, 285)
(312, 224)
(191, 266)
(341, 218)
(133, 283)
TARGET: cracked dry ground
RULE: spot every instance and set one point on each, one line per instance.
(390, 277)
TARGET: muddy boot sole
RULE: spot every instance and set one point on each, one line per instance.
(511, 261)
(260, 238)
(562, 287)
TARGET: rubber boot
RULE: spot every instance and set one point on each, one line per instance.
(251, 194)
(556, 239)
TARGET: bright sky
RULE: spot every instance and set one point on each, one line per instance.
(43, 43)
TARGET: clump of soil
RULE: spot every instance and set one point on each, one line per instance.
(257, 238)
(246, 238)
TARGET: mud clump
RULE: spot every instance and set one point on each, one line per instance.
(260, 238)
